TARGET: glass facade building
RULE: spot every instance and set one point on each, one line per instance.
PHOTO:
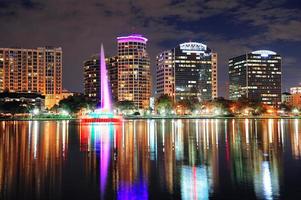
(257, 77)
(187, 71)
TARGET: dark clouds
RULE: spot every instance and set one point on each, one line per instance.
(230, 27)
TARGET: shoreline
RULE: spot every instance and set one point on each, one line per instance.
(154, 118)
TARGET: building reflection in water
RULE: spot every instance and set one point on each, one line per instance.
(148, 159)
(32, 156)
(135, 147)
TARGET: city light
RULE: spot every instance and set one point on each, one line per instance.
(64, 112)
(35, 111)
(137, 100)
(295, 111)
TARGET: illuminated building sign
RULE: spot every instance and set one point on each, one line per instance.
(264, 53)
(132, 38)
(193, 47)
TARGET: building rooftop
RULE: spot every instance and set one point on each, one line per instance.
(132, 38)
(264, 53)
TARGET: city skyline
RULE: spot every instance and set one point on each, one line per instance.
(79, 29)
(161, 99)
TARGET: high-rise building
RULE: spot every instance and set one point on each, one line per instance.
(112, 66)
(165, 74)
(256, 76)
(32, 70)
(134, 75)
(91, 78)
(187, 71)
(128, 72)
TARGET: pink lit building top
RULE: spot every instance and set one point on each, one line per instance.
(132, 38)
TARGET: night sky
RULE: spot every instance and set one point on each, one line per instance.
(229, 27)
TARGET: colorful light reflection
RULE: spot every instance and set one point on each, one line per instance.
(195, 183)
(136, 191)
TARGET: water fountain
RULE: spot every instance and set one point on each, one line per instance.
(104, 113)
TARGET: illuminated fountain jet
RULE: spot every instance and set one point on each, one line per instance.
(104, 112)
(105, 94)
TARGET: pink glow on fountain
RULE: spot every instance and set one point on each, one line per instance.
(103, 113)
(105, 95)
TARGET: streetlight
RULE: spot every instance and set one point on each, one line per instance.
(295, 111)
(64, 112)
(35, 111)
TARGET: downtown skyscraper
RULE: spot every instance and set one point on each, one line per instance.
(188, 71)
(36, 70)
(92, 77)
(134, 74)
(257, 77)
(128, 71)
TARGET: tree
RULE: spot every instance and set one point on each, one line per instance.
(164, 104)
(125, 106)
(14, 107)
(74, 104)
(187, 105)
(222, 104)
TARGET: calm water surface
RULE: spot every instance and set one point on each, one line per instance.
(151, 159)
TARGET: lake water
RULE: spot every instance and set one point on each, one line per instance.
(151, 159)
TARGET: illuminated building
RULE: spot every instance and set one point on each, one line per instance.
(134, 76)
(256, 76)
(296, 96)
(92, 80)
(187, 71)
(128, 72)
(32, 70)
(112, 65)
(296, 100)
(295, 90)
(286, 98)
(165, 74)
(292, 99)
(91, 77)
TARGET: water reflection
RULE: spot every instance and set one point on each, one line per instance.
(32, 155)
(150, 159)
